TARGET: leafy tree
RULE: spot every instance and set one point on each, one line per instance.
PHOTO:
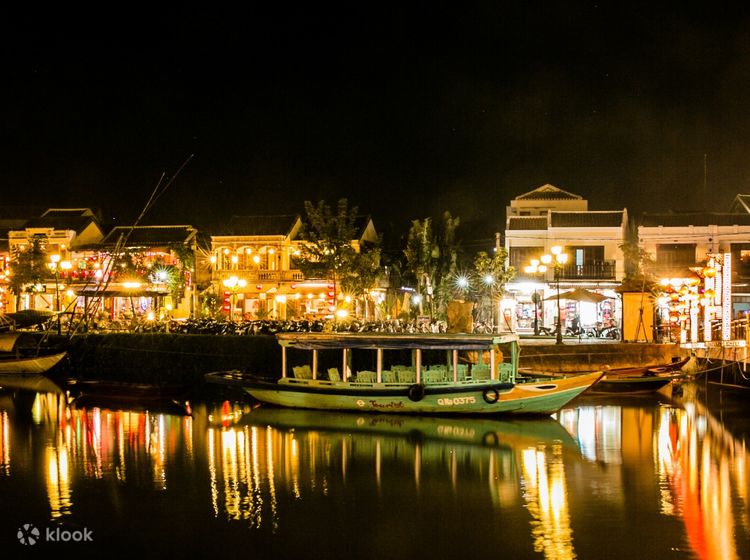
(432, 260)
(29, 269)
(491, 276)
(327, 250)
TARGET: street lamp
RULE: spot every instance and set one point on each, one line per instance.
(557, 259)
(54, 262)
(536, 267)
(234, 283)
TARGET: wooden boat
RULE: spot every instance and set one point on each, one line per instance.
(436, 388)
(641, 379)
(129, 396)
(15, 359)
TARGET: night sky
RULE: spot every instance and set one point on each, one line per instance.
(406, 113)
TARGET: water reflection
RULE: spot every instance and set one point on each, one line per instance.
(699, 470)
(615, 476)
(301, 454)
(88, 443)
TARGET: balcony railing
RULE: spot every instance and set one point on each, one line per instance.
(604, 270)
(260, 276)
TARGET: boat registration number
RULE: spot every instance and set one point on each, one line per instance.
(456, 401)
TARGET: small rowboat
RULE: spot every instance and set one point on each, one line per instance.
(17, 359)
(424, 386)
(639, 379)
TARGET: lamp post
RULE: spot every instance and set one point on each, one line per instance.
(54, 262)
(560, 260)
(557, 259)
(233, 283)
(536, 267)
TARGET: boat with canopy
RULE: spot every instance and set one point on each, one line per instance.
(407, 373)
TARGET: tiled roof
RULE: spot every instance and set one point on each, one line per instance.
(527, 222)
(694, 219)
(260, 225)
(150, 236)
(548, 192)
(70, 223)
(587, 219)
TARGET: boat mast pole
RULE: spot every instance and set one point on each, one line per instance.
(493, 367)
(315, 364)
(283, 361)
(455, 366)
(418, 355)
(380, 365)
(343, 367)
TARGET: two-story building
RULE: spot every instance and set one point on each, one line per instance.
(252, 268)
(63, 234)
(139, 271)
(682, 243)
(550, 220)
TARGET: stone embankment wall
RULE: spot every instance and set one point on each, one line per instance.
(181, 358)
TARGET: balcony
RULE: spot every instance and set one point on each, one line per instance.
(602, 270)
(261, 276)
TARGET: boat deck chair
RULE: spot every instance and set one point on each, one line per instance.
(406, 376)
(366, 376)
(505, 372)
(302, 372)
(389, 376)
(333, 374)
(480, 372)
(434, 376)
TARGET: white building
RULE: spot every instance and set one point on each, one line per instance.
(681, 243)
(549, 217)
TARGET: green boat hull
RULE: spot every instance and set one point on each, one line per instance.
(543, 398)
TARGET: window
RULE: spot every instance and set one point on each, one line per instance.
(677, 254)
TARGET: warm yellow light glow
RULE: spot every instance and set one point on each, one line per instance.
(235, 258)
(212, 259)
(66, 265)
(342, 313)
(132, 285)
(150, 316)
(54, 258)
(542, 268)
(535, 262)
(546, 259)
(256, 259)
(562, 258)
(556, 250)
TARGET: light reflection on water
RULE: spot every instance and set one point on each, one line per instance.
(579, 483)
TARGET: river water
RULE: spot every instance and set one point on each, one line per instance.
(628, 477)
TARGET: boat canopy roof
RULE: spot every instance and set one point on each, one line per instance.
(394, 341)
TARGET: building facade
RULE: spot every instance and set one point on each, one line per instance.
(540, 222)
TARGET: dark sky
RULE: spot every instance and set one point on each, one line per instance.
(406, 113)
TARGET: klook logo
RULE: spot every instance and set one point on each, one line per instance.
(29, 535)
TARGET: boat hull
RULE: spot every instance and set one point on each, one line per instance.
(630, 384)
(37, 364)
(494, 397)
